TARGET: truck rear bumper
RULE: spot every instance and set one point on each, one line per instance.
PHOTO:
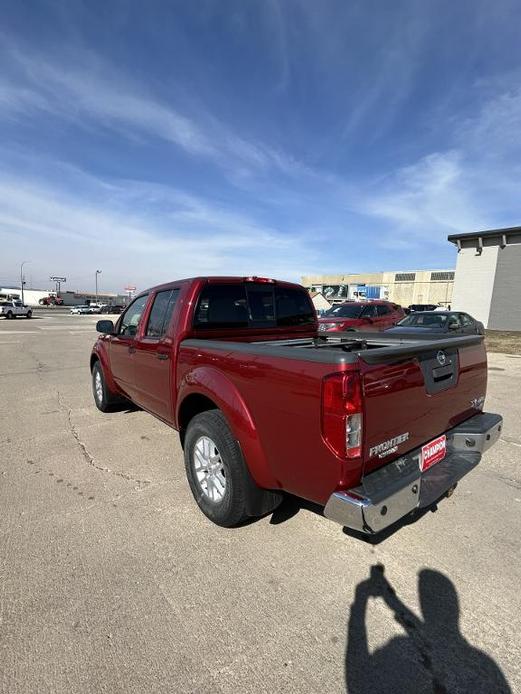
(393, 491)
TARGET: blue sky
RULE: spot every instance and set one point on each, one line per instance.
(279, 137)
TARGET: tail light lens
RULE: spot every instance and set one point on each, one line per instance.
(342, 419)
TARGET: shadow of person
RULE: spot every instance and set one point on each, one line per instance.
(433, 656)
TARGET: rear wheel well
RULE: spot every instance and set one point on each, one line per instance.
(192, 405)
(93, 360)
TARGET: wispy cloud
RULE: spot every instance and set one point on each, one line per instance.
(88, 91)
(196, 124)
(173, 235)
(471, 185)
(426, 198)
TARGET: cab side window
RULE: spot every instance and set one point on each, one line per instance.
(132, 316)
(454, 323)
(369, 312)
(161, 313)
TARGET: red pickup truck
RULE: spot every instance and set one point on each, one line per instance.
(368, 425)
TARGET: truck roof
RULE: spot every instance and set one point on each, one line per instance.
(222, 278)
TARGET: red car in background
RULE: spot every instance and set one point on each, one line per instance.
(366, 316)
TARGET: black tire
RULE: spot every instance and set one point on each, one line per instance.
(242, 497)
(103, 398)
(9, 315)
(29, 314)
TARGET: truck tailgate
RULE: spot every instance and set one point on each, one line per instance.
(412, 398)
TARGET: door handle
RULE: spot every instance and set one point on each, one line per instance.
(162, 356)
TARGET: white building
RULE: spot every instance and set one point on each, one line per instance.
(487, 283)
(31, 296)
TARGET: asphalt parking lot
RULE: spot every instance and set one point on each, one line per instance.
(111, 580)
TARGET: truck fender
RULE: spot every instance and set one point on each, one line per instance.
(217, 387)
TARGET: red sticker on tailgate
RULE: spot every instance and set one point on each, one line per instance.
(433, 452)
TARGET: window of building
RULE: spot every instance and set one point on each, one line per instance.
(442, 276)
(405, 277)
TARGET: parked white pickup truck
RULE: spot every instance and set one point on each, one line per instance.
(11, 309)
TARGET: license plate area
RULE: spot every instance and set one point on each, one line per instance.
(433, 452)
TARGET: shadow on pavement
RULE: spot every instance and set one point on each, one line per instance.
(125, 407)
(289, 508)
(432, 656)
(291, 505)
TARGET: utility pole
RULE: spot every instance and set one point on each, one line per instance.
(22, 281)
(98, 272)
(58, 283)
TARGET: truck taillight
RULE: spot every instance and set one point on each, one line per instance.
(342, 419)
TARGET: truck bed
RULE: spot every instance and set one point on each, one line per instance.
(408, 395)
(342, 348)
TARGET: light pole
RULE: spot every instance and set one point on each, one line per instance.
(22, 282)
(98, 272)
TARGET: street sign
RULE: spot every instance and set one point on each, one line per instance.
(130, 288)
(58, 279)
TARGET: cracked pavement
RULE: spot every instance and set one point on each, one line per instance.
(111, 580)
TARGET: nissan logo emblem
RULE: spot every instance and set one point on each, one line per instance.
(441, 357)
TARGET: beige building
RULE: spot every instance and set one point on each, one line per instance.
(404, 287)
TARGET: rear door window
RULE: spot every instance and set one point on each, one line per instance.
(383, 310)
(161, 313)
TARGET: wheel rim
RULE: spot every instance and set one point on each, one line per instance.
(98, 386)
(209, 469)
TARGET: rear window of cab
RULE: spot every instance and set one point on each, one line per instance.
(252, 305)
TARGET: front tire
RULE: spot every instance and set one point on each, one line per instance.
(218, 476)
(29, 314)
(9, 315)
(103, 398)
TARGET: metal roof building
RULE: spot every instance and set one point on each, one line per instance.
(487, 283)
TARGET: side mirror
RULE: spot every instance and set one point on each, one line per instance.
(105, 326)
